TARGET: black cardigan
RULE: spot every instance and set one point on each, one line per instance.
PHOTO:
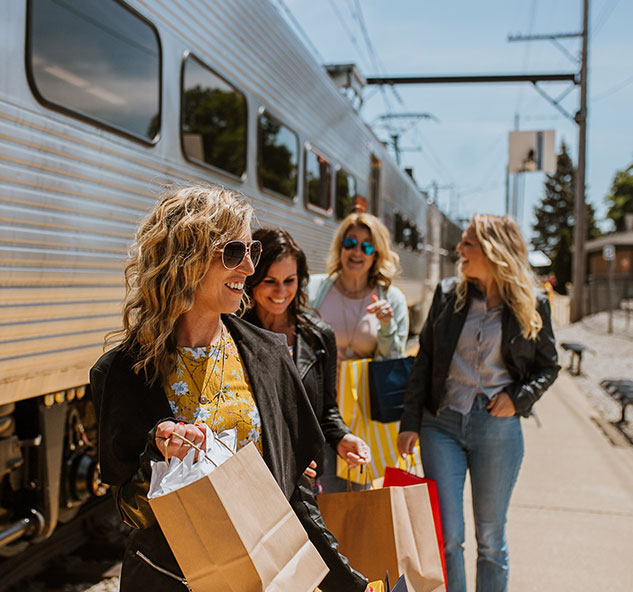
(128, 410)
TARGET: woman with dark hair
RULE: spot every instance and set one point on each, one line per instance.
(183, 359)
(277, 289)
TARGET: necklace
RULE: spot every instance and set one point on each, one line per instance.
(349, 350)
(202, 399)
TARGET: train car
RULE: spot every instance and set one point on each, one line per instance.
(101, 103)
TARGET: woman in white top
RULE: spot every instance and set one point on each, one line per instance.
(356, 297)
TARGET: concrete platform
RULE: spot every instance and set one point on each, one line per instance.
(570, 525)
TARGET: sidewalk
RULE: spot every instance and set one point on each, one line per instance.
(570, 525)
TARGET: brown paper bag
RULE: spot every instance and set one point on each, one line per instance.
(234, 531)
(387, 529)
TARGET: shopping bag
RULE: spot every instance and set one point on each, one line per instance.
(354, 403)
(396, 477)
(388, 381)
(234, 531)
(387, 529)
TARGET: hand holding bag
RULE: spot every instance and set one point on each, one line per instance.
(388, 381)
(234, 531)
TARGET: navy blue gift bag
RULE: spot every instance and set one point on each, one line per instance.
(388, 380)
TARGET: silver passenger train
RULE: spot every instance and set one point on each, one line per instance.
(105, 101)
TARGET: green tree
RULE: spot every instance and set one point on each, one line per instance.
(554, 227)
(620, 199)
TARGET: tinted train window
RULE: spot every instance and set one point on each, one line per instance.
(213, 119)
(345, 194)
(278, 162)
(318, 181)
(98, 60)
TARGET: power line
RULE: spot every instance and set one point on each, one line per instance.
(603, 17)
(303, 34)
(614, 89)
(347, 30)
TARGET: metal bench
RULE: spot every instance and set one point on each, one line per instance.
(621, 391)
(576, 350)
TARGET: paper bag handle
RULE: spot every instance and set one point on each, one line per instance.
(195, 446)
(409, 460)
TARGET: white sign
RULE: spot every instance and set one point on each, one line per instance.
(608, 252)
(531, 151)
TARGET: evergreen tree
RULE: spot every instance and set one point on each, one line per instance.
(620, 199)
(554, 227)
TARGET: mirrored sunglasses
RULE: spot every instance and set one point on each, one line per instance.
(233, 253)
(350, 243)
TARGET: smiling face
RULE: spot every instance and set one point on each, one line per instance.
(278, 288)
(474, 263)
(354, 261)
(221, 289)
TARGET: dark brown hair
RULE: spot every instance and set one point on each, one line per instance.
(277, 244)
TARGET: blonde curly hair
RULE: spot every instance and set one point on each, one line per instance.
(173, 250)
(502, 244)
(386, 263)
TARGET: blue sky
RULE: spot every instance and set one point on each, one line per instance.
(465, 150)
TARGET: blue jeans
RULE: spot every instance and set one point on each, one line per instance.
(491, 448)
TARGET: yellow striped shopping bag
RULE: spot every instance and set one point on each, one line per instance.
(353, 401)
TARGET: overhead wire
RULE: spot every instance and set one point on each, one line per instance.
(300, 30)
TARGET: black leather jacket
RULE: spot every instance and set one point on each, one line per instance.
(315, 358)
(532, 364)
(128, 409)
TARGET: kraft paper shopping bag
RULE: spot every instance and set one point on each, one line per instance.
(234, 531)
(387, 529)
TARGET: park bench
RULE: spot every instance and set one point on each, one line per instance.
(621, 391)
(576, 350)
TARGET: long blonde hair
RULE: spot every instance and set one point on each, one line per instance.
(174, 247)
(502, 244)
(387, 262)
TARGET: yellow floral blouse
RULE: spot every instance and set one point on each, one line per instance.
(196, 395)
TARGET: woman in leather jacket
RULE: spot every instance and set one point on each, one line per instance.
(487, 354)
(279, 305)
(183, 357)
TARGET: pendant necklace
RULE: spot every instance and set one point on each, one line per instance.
(202, 399)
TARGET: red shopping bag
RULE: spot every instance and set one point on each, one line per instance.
(399, 477)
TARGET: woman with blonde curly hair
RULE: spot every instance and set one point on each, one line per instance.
(184, 358)
(487, 354)
(356, 297)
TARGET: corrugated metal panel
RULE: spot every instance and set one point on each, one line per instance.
(71, 193)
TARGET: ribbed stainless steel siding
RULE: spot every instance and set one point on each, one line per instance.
(72, 194)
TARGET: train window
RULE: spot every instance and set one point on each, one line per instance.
(374, 184)
(345, 194)
(278, 161)
(318, 180)
(213, 119)
(398, 230)
(96, 59)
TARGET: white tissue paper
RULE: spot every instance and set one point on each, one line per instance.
(179, 473)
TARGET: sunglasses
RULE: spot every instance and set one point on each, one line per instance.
(233, 253)
(350, 243)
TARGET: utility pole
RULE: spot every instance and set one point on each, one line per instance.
(576, 311)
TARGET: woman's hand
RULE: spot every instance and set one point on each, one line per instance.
(353, 450)
(311, 470)
(174, 446)
(501, 405)
(406, 442)
(381, 308)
